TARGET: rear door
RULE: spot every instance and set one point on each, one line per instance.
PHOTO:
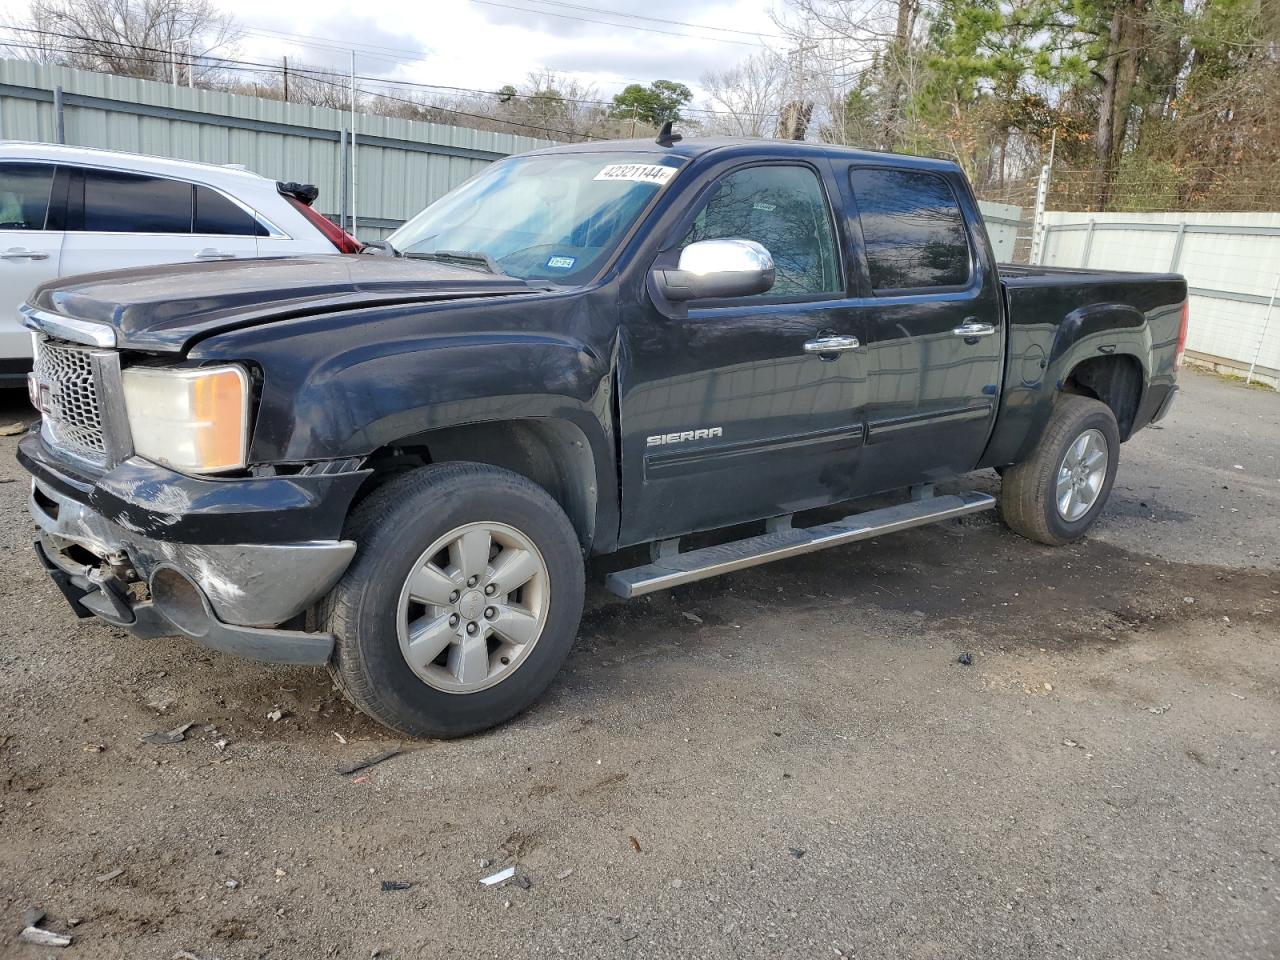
(30, 250)
(933, 322)
(117, 219)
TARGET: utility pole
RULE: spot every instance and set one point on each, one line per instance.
(191, 69)
(286, 79)
(173, 63)
(1042, 198)
(353, 143)
(634, 108)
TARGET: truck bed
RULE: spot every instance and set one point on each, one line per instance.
(1058, 317)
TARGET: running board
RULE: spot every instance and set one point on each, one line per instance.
(727, 557)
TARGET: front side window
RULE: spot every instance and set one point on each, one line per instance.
(784, 209)
(555, 217)
(116, 202)
(912, 230)
(24, 195)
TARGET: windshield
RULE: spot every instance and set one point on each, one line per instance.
(554, 217)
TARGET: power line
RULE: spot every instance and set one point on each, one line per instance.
(640, 16)
(316, 73)
(610, 23)
(231, 65)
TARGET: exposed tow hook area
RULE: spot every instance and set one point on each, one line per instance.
(179, 606)
(158, 588)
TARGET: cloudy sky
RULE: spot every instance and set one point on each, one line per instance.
(484, 44)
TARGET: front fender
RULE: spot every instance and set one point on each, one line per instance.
(344, 385)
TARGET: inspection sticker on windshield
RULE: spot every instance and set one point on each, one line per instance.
(562, 263)
(637, 173)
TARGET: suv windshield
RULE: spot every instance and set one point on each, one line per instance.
(555, 217)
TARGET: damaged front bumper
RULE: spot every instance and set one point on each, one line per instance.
(118, 548)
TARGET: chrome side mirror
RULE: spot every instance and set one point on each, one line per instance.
(718, 269)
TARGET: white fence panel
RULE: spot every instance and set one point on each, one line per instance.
(1231, 262)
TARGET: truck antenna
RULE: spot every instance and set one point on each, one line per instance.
(665, 137)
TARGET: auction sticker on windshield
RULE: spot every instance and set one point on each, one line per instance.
(637, 173)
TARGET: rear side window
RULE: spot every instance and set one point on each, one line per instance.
(912, 230)
(24, 195)
(215, 214)
(785, 209)
(132, 203)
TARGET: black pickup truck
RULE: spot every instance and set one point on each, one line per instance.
(397, 463)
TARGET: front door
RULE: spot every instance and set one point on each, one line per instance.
(725, 416)
(30, 248)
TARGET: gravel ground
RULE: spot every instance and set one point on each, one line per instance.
(788, 762)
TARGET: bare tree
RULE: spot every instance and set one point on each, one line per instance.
(747, 98)
(843, 42)
(152, 39)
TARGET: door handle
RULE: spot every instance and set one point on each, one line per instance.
(209, 253)
(972, 328)
(824, 345)
(21, 253)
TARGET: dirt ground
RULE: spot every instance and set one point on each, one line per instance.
(784, 763)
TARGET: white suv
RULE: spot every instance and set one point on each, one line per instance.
(70, 210)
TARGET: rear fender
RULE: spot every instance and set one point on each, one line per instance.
(1041, 359)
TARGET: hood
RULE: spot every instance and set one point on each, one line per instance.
(167, 308)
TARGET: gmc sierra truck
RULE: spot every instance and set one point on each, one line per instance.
(396, 463)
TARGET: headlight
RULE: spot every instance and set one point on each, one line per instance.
(195, 421)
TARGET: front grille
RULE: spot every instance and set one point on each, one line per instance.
(69, 400)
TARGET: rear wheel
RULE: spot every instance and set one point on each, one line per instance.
(1057, 494)
(462, 603)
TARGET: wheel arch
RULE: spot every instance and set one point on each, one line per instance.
(1117, 379)
(555, 453)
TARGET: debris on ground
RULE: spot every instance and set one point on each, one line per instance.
(795, 852)
(166, 737)
(388, 885)
(691, 617)
(346, 768)
(341, 738)
(232, 884)
(1188, 599)
(523, 882)
(635, 844)
(185, 955)
(1164, 708)
(498, 877)
(13, 429)
(44, 938)
(565, 874)
(965, 659)
(1072, 743)
(111, 875)
(276, 715)
(161, 705)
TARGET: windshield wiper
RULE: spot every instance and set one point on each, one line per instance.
(462, 257)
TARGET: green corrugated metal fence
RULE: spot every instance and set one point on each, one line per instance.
(402, 165)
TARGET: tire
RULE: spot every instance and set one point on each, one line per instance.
(1029, 498)
(375, 612)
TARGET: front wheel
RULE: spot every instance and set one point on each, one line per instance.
(1057, 494)
(462, 602)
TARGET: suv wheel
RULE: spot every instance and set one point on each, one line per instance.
(1059, 492)
(461, 604)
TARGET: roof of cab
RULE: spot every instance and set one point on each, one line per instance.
(695, 147)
